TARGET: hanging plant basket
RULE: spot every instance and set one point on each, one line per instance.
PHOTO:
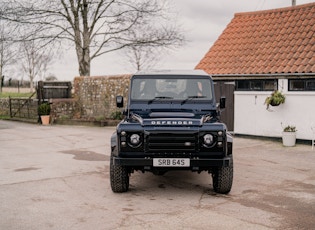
(275, 99)
(273, 103)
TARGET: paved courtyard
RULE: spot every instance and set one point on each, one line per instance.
(57, 177)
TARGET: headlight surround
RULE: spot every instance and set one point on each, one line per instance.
(212, 139)
(130, 139)
(134, 140)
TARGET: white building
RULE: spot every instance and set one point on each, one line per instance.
(260, 52)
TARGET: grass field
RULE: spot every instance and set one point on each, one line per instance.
(15, 92)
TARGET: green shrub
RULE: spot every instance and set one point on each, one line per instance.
(117, 115)
(44, 109)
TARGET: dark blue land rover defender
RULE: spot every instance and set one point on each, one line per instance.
(171, 123)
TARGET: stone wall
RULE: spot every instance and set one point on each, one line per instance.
(96, 96)
(94, 99)
(4, 107)
(65, 109)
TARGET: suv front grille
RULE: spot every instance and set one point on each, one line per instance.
(171, 142)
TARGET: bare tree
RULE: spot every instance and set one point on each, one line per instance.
(141, 57)
(35, 60)
(7, 51)
(94, 27)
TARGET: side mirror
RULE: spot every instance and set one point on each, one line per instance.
(222, 102)
(120, 101)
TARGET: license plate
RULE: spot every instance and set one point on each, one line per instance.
(171, 162)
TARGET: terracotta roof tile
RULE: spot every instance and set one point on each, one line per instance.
(270, 41)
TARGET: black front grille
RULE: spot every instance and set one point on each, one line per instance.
(171, 142)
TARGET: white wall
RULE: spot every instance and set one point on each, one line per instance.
(252, 118)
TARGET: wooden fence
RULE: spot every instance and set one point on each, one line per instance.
(27, 108)
(23, 108)
(53, 89)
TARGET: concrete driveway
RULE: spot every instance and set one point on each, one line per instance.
(57, 177)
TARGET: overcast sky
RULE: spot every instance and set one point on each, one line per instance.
(202, 20)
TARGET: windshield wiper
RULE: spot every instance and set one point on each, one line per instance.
(190, 98)
(158, 98)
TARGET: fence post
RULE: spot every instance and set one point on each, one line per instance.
(10, 107)
(28, 107)
(40, 93)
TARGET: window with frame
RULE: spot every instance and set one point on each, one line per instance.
(302, 84)
(167, 87)
(257, 85)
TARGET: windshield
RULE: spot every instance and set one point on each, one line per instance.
(171, 88)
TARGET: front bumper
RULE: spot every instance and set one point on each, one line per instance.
(194, 163)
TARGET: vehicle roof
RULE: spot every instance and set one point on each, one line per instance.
(172, 72)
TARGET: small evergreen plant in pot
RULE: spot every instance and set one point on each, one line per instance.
(275, 99)
(44, 109)
(44, 113)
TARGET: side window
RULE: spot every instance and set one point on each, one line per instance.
(242, 85)
(301, 84)
(270, 85)
(256, 85)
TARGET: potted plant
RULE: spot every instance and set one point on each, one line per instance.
(275, 99)
(289, 135)
(44, 113)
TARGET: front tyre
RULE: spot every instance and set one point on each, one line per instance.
(223, 179)
(119, 177)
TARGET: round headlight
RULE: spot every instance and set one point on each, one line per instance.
(208, 139)
(135, 139)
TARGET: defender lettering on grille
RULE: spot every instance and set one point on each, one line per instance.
(171, 122)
